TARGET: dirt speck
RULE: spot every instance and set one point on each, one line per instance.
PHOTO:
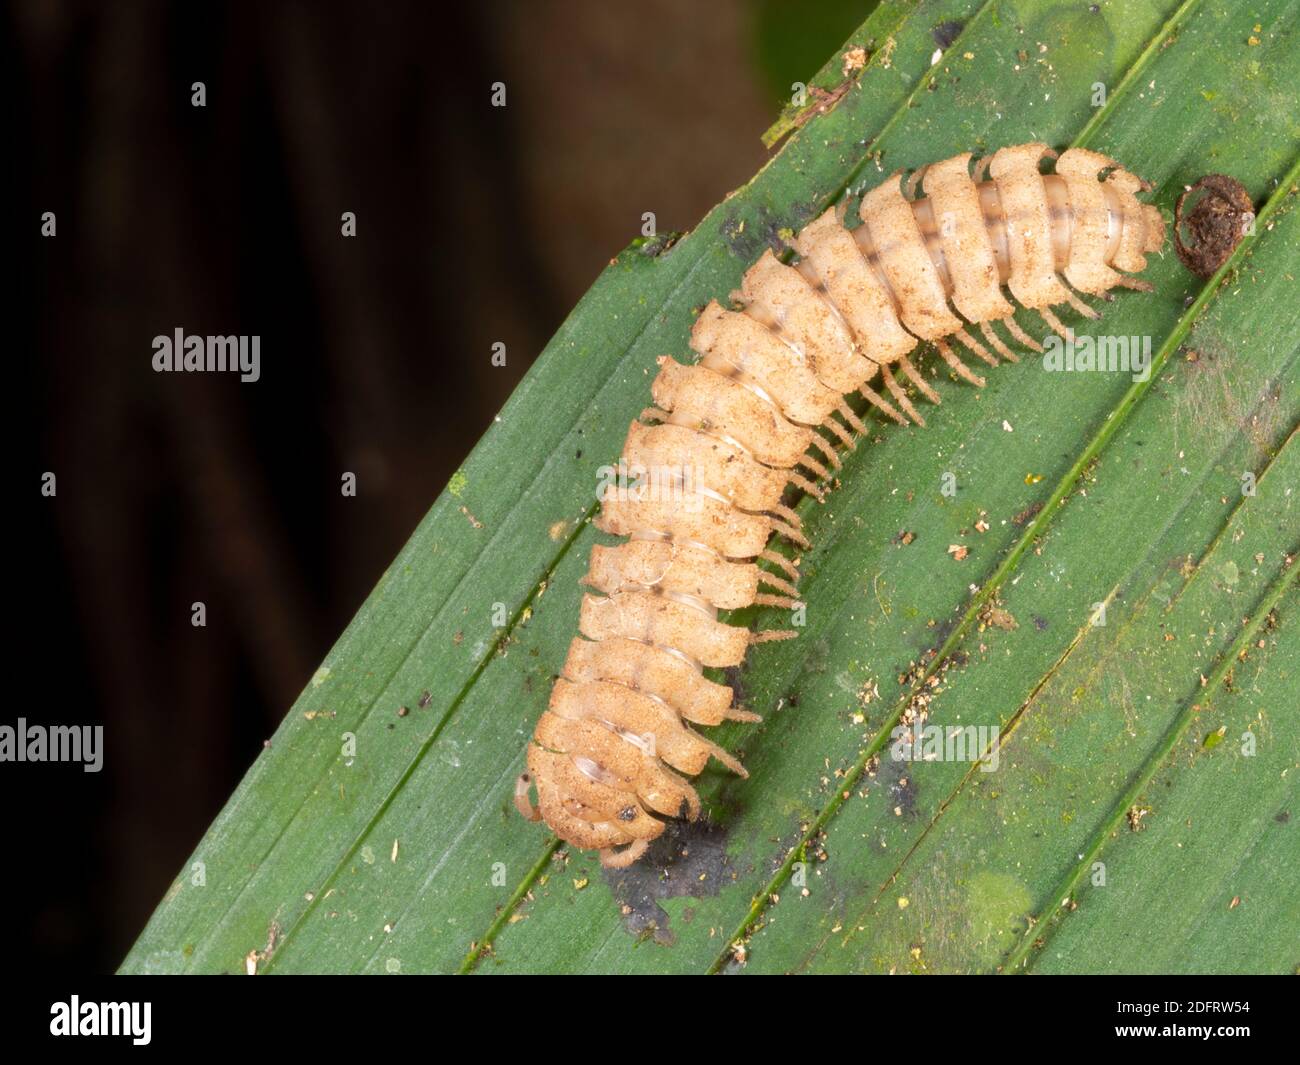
(998, 617)
(1027, 514)
(822, 100)
(854, 60)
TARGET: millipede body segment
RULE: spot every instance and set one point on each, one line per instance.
(763, 410)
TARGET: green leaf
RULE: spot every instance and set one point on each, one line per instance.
(1109, 836)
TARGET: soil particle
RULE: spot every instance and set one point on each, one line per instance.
(1215, 213)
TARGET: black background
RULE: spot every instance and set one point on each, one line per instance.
(475, 225)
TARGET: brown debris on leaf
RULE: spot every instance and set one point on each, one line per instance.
(997, 617)
(1215, 222)
(822, 101)
(854, 60)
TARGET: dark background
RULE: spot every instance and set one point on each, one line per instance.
(475, 224)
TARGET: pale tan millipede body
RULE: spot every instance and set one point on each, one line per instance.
(763, 409)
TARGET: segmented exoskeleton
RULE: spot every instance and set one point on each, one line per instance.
(764, 409)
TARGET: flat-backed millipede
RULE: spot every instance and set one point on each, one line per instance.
(764, 409)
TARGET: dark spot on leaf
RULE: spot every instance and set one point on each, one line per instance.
(653, 247)
(801, 214)
(938, 635)
(818, 656)
(1040, 623)
(735, 680)
(740, 239)
(772, 237)
(1282, 817)
(947, 32)
(688, 861)
(747, 237)
(896, 775)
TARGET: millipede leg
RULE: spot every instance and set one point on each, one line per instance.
(773, 581)
(921, 383)
(958, 367)
(788, 531)
(825, 448)
(997, 343)
(839, 431)
(975, 346)
(523, 803)
(791, 570)
(900, 396)
(772, 635)
(846, 412)
(653, 414)
(914, 182)
(803, 484)
(1055, 324)
(763, 599)
(1078, 304)
(612, 859)
(817, 468)
(1019, 335)
(1135, 284)
(791, 516)
(727, 758)
(881, 403)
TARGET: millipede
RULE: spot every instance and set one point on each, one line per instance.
(954, 246)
